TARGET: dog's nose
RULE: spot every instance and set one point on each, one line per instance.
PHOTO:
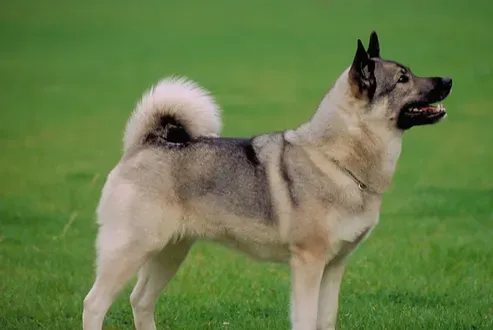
(447, 81)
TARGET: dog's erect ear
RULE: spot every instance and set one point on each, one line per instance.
(361, 73)
(374, 45)
(360, 69)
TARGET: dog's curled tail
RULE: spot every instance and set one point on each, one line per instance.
(174, 102)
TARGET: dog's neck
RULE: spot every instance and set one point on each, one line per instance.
(368, 150)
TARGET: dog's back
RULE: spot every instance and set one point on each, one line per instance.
(187, 182)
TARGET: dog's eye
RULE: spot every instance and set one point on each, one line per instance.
(403, 79)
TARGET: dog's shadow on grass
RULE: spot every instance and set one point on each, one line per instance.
(409, 298)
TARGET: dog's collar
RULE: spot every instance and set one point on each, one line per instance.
(361, 185)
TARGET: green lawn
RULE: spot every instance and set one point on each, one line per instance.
(71, 72)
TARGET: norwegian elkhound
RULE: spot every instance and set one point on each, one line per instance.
(307, 196)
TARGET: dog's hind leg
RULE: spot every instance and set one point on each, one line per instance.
(132, 229)
(154, 276)
(119, 258)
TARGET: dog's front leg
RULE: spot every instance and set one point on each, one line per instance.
(329, 295)
(307, 267)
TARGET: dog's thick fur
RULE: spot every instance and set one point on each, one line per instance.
(306, 196)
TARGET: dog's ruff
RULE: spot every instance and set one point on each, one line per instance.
(295, 196)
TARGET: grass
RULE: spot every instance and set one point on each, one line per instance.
(70, 73)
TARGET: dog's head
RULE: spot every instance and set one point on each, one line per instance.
(392, 92)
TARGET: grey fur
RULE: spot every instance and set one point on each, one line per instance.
(231, 173)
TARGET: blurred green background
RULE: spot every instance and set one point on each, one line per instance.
(71, 72)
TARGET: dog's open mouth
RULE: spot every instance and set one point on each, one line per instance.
(420, 114)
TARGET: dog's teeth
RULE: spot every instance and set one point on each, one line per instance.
(415, 110)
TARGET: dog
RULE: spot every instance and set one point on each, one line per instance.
(306, 196)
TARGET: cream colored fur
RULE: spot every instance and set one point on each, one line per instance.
(180, 98)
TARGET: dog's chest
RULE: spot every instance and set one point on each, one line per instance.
(349, 231)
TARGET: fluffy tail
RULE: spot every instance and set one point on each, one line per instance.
(176, 100)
